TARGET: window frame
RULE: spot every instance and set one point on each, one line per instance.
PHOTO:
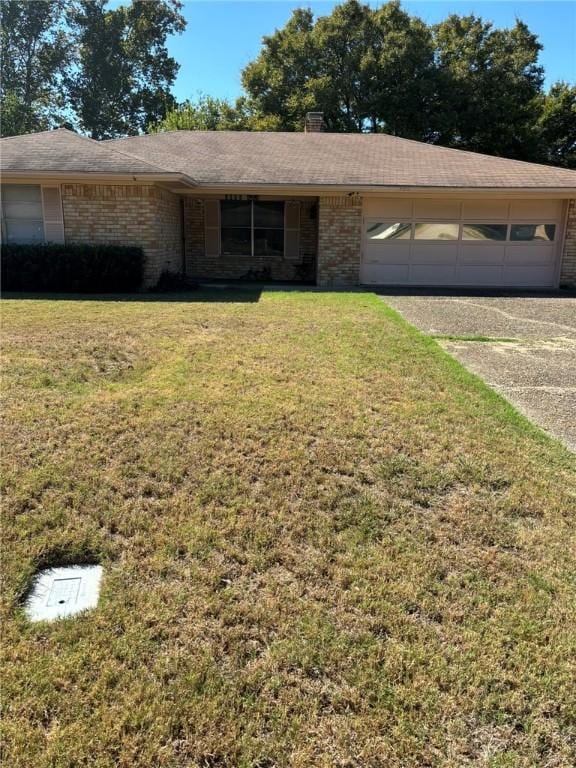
(4, 219)
(388, 223)
(533, 241)
(448, 222)
(253, 228)
(486, 223)
(507, 241)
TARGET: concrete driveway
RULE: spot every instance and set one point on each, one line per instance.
(530, 356)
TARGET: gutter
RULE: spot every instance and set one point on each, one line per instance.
(316, 190)
(90, 177)
(380, 190)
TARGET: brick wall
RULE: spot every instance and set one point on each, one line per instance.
(202, 266)
(128, 214)
(339, 240)
(568, 270)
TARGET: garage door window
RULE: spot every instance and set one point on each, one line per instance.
(432, 230)
(533, 232)
(484, 231)
(381, 230)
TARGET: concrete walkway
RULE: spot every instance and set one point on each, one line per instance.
(531, 353)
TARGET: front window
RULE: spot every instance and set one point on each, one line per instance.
(22, 219)
(251, 228)
(236, 227)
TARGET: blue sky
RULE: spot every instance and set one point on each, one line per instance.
(223, 35)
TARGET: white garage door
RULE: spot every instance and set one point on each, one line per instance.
(484, 243)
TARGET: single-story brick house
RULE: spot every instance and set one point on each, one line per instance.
(318, 207)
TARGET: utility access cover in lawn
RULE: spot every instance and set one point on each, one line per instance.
(61, 592)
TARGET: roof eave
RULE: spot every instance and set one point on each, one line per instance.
(186, 184)
(381, 189)
(90, 177)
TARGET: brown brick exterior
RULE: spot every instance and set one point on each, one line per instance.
(200, 265)
(568, 269)
(146, 215)
(339, 240)
(129, 214)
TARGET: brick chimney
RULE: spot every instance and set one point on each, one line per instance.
(314, 122)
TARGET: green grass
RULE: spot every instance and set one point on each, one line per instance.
(325, 543)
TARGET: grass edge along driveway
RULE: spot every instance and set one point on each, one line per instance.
(325, 543)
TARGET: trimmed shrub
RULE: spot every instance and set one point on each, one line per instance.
(72, 268)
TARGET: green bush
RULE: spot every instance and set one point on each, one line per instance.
(72, 268)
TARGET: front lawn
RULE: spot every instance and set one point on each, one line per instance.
(325, 544)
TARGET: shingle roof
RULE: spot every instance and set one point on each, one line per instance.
(333, 158)
(64, 150)
(315, 159)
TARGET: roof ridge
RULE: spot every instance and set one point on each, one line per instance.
(95, 142)
(117, 151)
(145, 162)
(37, 133)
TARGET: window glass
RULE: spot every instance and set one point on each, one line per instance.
(21, 193)
(436, 230)
(533, 232)
(24, 210)
(22, 217)
(268, 242)
(252, 227)
(269, 215)
(16, 231)
(389, 231)
(484, 231)
(236, 241)
(236, 213)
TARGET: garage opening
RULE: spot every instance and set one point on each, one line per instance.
(473, 243)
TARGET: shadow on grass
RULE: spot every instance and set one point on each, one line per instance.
(230, 295)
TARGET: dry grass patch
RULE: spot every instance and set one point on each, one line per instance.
(325, 543)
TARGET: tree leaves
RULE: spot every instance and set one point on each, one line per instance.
(35, 57)
(557, 125)
(107, 71)
(461, 83)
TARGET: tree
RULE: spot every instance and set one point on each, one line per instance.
(124, 72)
(557, 125)
(399, 52)
(489, 83)
(461, 83)
(353, 65)
(205, 114)
(35, 55)
(278, 80)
